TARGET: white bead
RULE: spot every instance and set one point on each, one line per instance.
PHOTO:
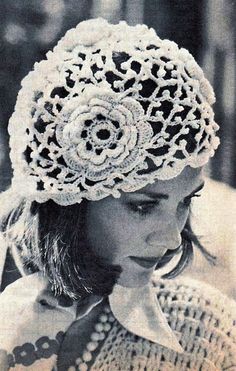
(99, 327)
(103, 318)
(83, 367)
(95, 336)
(78, 361)
(107, 326)
(92, 345)
(101, 336)
(111, 318)
(45, 345)
(87, 356)
(107, 309)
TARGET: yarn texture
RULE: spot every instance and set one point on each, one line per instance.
(112, 108)
(203, 320)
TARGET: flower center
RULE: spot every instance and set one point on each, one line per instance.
(103, 134)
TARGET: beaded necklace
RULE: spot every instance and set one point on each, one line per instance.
(100, 329)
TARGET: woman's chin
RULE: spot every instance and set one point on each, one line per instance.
(131, 280)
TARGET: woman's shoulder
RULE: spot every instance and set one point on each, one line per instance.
(201, 316)
(188, 292)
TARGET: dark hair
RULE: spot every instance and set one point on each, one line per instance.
(70, 263)
(54, 241)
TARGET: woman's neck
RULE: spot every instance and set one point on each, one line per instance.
(79, 333)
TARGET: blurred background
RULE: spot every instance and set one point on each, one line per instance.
(29, 28)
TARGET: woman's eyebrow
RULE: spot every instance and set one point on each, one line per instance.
(154, 195)
(165, 196)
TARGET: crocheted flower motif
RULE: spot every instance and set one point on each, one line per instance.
(46, 347)
(25, 354)
(29, 353)
(103, 130)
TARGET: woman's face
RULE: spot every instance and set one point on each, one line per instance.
(135, 230)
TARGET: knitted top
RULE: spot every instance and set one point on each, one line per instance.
(201, 317)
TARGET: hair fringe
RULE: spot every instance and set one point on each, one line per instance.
(37, 242)
(189, 241)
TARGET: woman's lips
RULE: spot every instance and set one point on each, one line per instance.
(145, 262)
(155, 261)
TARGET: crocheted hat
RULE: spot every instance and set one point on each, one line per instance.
(112, 108)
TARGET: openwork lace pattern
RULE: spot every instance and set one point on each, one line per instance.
(204, 327)
(112, 108)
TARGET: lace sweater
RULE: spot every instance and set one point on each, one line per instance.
(201, 317)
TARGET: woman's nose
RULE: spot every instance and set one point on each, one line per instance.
(170, 238)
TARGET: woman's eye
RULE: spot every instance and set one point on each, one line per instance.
(187, 201)
(142, 208)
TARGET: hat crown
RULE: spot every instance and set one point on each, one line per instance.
(112, 108)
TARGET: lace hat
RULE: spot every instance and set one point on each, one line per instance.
(112, 108)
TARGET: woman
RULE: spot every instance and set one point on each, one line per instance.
(109, 138)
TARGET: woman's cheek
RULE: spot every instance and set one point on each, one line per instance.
(182, 216)
(124, 243)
